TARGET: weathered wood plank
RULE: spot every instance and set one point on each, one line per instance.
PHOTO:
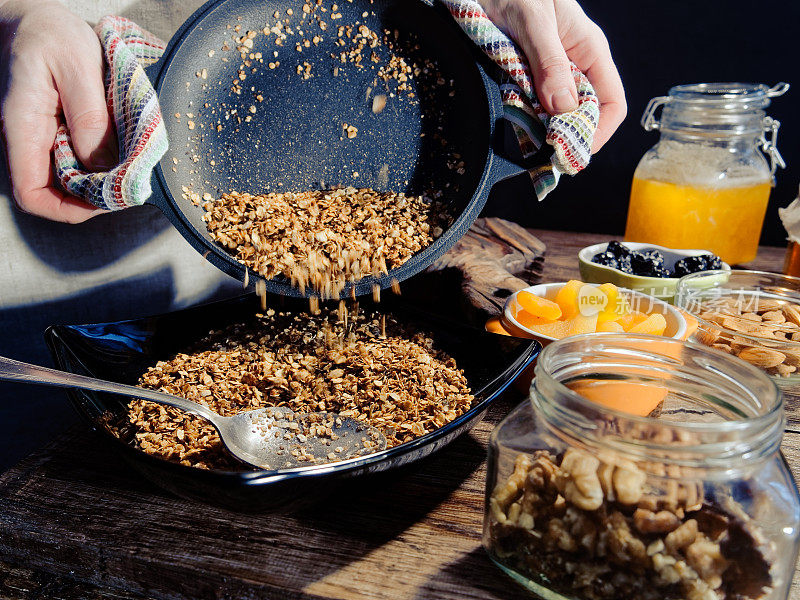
(27, 584)
(71, 513)
(493, 260)
(496, 258)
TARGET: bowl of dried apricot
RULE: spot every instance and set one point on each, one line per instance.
(751, 314)
(553, 311)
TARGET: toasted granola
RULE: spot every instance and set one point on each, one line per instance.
(368, 367)
(323, 239)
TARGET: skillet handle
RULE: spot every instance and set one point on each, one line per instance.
(504, 168)
(506, 157)
(157, 197)
(154, 71)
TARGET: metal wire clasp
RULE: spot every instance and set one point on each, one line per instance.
(779, 89)
(649, 121)
(770, 146)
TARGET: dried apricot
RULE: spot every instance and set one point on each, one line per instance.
(582, 324)
(610, 326)
(691, 325)
(616, 307)
(567, 298)
(626, 396)
(495, 325)
(632, 318)
(538, 307)
(655, 324)
(553, 329)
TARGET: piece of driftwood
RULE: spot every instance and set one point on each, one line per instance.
(493, 260)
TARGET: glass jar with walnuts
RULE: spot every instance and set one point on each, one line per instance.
(643, 468)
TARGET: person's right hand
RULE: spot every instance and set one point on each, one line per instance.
(552, 33)
(53, 68)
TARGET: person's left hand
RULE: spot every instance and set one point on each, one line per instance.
(552, 33)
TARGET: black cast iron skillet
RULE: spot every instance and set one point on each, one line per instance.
(295, 138)
(123, 350)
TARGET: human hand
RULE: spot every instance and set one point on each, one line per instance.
(552, 33)
(53, 66)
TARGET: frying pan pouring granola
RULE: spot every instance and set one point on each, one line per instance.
(300, 95)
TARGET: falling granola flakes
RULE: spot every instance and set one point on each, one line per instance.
(350, 130)
(320, 240)
(378, 103)
(397, 382)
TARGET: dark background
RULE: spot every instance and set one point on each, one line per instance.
(658, 44)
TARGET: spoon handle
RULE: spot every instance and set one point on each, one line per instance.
(14, 370)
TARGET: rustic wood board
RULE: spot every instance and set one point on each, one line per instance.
(495, 259)
(77, 523)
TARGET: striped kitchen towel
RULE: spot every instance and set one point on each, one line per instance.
(137, 115)
(570, 134)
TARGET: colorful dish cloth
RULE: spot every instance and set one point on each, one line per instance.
(137, 115)
(570, 134)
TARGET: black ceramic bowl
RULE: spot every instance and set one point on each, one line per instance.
(121, 351)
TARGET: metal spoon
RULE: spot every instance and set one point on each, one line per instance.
(268, 438)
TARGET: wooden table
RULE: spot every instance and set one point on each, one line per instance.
(78, 524)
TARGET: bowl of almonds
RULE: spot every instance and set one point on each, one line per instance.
(751, 314)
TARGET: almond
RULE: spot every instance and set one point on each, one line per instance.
(723, 347)
(774, 316)
(762, 357)
(792, 357)
(713, 316)
(785, 370)
(708, 336)
(792, 314)
(767, 332)
(762, 305)
(739, 325)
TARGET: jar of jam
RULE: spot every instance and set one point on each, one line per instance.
(684, 497)
(706, 183)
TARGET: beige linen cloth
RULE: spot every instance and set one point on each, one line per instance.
(57, 273)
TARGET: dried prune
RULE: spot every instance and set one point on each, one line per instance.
(648, 264)
(607, 259)
(695, 264)
(615, 261)
(617, 249)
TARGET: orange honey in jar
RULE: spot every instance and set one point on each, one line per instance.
(726, 220)
(705, 184)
